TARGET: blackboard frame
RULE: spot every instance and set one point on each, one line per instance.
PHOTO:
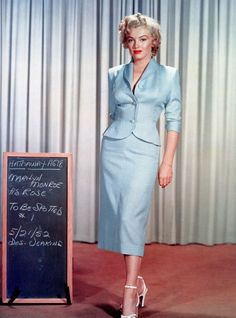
(69, 287)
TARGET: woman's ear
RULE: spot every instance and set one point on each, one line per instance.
(154, 43)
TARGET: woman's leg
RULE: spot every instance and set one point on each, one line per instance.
(133, 266)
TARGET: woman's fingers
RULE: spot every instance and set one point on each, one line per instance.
(163, 184)
(165, 177)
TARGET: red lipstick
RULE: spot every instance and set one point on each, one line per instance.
(137, 51)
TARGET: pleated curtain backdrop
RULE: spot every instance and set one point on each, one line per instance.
(54, 60)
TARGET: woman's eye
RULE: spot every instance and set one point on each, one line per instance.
(129, 40)
(143, 40)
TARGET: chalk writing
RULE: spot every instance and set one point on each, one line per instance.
(24, 178)
(34, 193)
(35, 164)
(14, 191)
(20, 236)
(38, 207)
(49, 184)
(22, 232)
(36, 233)
(34, 242)
(28, 192)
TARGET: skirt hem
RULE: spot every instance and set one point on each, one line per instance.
(138, 251)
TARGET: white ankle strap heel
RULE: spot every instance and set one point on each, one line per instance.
(131, 315)
(143, 294)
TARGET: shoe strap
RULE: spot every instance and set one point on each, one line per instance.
(141, 278)
(143, 282)
(131, 286)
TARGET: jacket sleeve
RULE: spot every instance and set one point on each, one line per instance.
(110, 96)
(173, 107)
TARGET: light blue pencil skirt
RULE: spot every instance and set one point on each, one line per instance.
(128, 170)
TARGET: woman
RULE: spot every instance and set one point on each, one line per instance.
(138, 92)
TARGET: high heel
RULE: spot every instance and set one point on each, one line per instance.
(143, 294)
(132, 315)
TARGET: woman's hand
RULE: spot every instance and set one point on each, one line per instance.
(165, 174)
(165, 170)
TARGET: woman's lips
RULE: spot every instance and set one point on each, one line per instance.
(137, 51)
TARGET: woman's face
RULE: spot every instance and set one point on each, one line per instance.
(140, 43)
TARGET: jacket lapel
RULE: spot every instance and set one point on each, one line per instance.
(152, 67)
(128, 71)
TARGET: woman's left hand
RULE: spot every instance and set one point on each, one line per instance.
(165, 174)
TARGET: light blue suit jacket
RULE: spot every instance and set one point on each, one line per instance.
(157, 90)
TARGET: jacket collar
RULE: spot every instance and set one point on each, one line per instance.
(128, 70)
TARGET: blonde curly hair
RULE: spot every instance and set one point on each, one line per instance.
(137, 20)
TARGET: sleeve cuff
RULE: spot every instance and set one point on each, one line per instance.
(176, 126)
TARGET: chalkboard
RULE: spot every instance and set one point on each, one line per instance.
(37, 231)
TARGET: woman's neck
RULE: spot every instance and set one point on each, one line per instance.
(141, 64)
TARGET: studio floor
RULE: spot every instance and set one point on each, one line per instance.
(191, 281)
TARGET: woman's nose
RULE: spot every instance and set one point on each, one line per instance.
(135, 45)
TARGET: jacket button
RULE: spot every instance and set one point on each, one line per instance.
(132, 120)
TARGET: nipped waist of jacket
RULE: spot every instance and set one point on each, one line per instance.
(135, 120)
(125, 104)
